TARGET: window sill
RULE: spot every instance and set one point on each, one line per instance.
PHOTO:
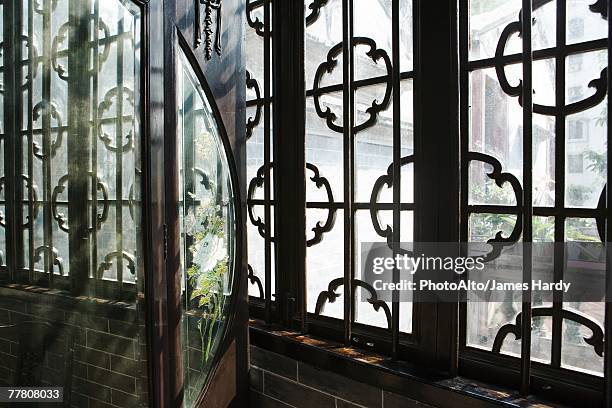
(59, 298)
(401, 378)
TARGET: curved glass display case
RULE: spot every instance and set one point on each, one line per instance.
(208, 232)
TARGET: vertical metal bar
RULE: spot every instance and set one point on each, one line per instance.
(119, 153)
(46, 136)
(30, 144)
(10, 135)
(608, 304)
(527, 187)
(397, 153)
(267, 161)
(288, 88)
(559, 257)
(464, 122)
(94, 148)
(348, 149)
(19, 180)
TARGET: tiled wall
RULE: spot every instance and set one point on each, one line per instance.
(108, 365)
(280, 382)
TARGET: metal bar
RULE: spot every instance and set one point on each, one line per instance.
(537, 211)
(290, 173)
(464, 140)
(608, 304)
(18, 145)
(267, 159)
(46, 135)
(119, 152)
(30, 138)
(397, 156)
(544, 53)
(348, 148)
(10, 130)
(559, 256)
(527, 196)
(359, 83)
(94, 150)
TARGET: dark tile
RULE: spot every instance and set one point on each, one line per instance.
(5, 346)
(111, 379)
(93, 403)
(342, 387)
(392, 400)
(273, 362)
(92, 357)
(111, 344)
(258, 400)
(295, 394)
(91, 389)
(88, 321)
(8, 360)
(4, 316)
(121, 399)
(345, 404)
(78, 400)
(256, 379)
(46, 312)
(79, 370)
(12, 304)
(125, 329)
(5, 374)
(125, 366)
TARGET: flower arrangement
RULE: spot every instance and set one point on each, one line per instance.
(209, 264)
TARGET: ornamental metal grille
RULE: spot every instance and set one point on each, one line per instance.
(259, 135)
(359, 152)
(534, 159)
(70, 145)
(359, 149)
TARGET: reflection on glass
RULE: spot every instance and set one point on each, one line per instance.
(207, 232)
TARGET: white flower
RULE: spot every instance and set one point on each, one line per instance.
(208, 252)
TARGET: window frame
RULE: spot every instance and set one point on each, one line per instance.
(428, 343)
(524, 374)
(440, 329)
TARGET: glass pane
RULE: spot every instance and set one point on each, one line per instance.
(484, 36)
(496, 122)
(586, 157)
(583, 24)
(324, 263)
(72, 278)
(208, 231)
(320, 36)
(576, 354)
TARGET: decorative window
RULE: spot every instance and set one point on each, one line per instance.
(71, 142)
(528, 85)
(359, 156)
(551, 87)
(359, 153)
